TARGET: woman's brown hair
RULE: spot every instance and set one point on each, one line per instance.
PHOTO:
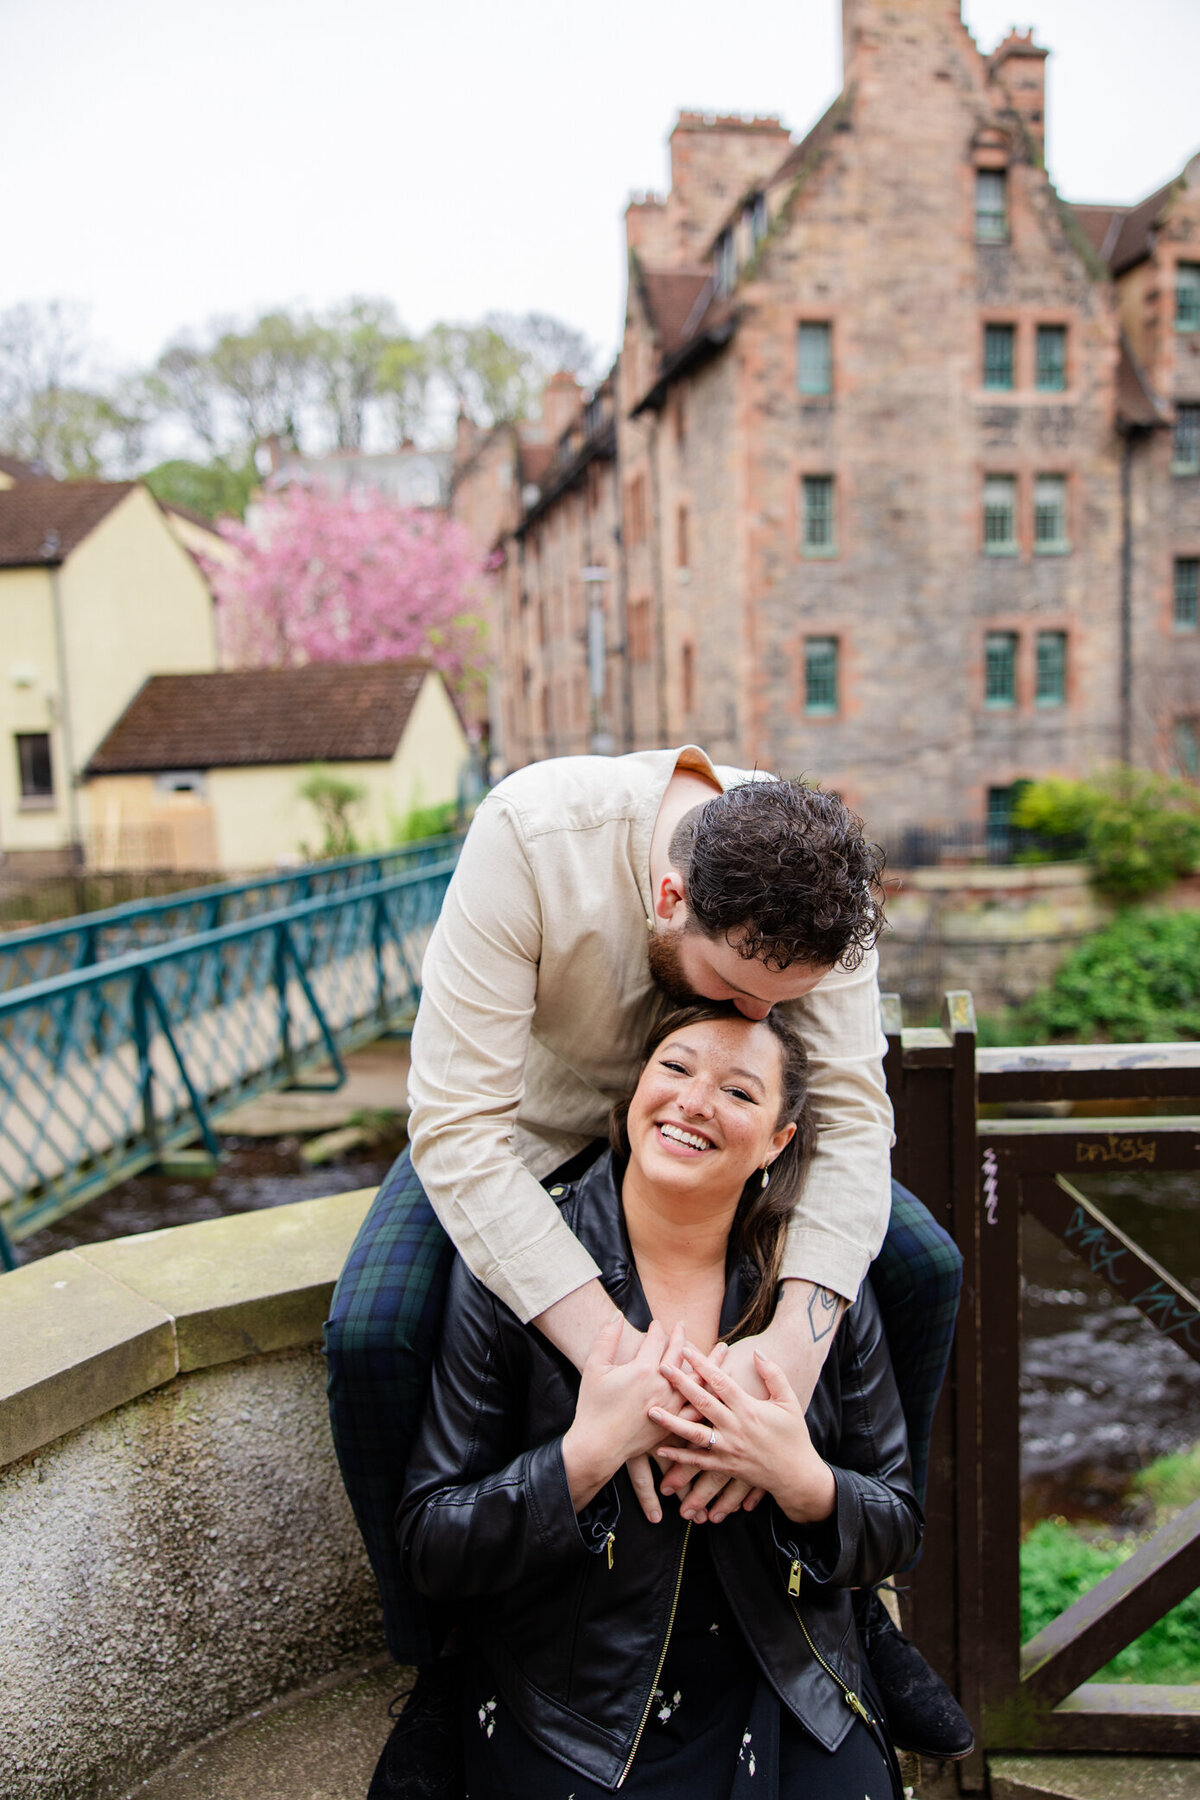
(761, 1221)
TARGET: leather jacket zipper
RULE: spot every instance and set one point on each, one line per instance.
(662, 1655)
(852, 1699)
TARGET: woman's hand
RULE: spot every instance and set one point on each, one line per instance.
(612, 1422)
(764, 1443)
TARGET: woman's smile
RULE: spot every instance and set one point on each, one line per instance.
(680, 1137)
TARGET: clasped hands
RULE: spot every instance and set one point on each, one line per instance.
(722, 1445)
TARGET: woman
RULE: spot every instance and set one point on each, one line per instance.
(606, 1651)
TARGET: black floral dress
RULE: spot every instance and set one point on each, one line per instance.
(715, 1729)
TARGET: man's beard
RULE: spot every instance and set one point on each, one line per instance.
(662, 952)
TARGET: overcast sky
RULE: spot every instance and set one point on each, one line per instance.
(164, 162)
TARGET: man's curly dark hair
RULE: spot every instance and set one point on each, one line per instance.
(785, 868)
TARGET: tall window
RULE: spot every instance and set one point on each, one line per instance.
(991, 206)
(1187, 593)
(1000, 803)
(1051, 687)
(637, 509)
(1050, 375)
(820, 676)
(756, 221)
(818, 527)
(681, 538)
(1185, 449)
(725, 268)
(1187, 296)
(639, 631)
(1050, 514)
(1000, 515)
(1000, 669)
(1187, 748)
(814, 358)
(687, 677)
(33, 760)
(998, 358)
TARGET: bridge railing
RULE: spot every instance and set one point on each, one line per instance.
(104, 1069)
(40, 952)
(979, 1175)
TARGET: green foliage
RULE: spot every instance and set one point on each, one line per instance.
(1170, 1483)
(334, 799)
(217, 489)
(1138, 981)
(1140, 831)
(424, 822)
(1059, 1565)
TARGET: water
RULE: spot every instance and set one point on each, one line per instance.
(1102, 1393)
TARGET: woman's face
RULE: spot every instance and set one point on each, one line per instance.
(704, 1114)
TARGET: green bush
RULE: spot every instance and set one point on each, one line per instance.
(1138, 981)
(1139, 831)
(1059, 1565)
(334, 799)
(424, 822)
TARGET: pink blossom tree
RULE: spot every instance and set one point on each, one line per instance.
(321, 578)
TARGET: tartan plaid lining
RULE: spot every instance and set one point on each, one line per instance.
(382, 1331)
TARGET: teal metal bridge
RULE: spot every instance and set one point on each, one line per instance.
(139, 1039)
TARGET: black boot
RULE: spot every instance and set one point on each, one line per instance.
(922, 1714)
(423, 1758)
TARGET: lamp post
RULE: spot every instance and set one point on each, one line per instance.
(594, 578)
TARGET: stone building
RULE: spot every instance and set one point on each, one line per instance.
(895, 480)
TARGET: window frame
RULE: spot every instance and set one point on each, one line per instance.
(824, 326)
(1187, 762)
(31, 797)
(1186, 430)
(1187, 282)
(1053, 693)
(994, 546)
(818, 547)
(827, 646)
(994, 233)
(1185, 594)
(1009, 643)
(1047, 332)
(999, 331)
(1059, 545)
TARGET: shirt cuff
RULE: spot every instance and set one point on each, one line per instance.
(541, 1274)
(825, 1259)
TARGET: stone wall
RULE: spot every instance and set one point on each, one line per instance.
(176, 1548)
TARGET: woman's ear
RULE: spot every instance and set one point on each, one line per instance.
(782, 1139)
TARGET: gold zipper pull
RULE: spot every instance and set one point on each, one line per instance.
(794, 1578)
(612, 1538)
(856, 1705)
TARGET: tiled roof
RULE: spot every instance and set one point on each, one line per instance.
(18, 470)
(671, 296)
(1133, 239)
(1136, 400)
(43, 521)
(1100, 226)
(237, 718)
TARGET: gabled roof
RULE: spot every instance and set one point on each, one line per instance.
(18, 470)
(1133, 239)
(670, 297)
(242, 718)
(1100, 226)
(41, 522)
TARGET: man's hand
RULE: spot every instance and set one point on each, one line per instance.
(764, 1444)
(797, 1340)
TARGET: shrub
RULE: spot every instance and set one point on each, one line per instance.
(334, 799)
(1138, 981)
(1139, 831)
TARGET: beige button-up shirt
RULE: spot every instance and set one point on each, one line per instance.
(536, 1001)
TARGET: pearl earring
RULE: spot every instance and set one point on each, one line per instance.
(766, 1178)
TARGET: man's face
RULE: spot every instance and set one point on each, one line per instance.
(687, 965)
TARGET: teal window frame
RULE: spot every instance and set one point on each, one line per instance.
(1000, 358)
(1050, 686)
(1187, 748)
(818, 531)
(1185, 440)
(1050, 515)
(991, 206)
(1187, 593)
(1000, 515)
(1050, 365)
(822, 677)
(1000, 671)
(814, 357)
(1187, 296)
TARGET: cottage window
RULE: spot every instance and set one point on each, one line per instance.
(725, 268)
(820, 676)
(1187, 296)
(681, 538)
(1000, 804)
(1050, 514)
(1187, 748)
(1000, 515)
(991, 206)
(818, 532)
(1051, 688)
(1187, 593)
(1185, 450)
(1051, 373)
(814, 357)
(998, 359)
(1000, 675)
(36, 769)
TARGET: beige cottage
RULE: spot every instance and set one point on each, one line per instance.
(96, 593)
(210, 766)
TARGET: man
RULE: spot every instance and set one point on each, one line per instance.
(589, 891)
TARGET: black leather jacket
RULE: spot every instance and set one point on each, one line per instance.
(573, 1613)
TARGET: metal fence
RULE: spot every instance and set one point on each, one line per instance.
(43, 951)
(105, 1068)
(978, 1175)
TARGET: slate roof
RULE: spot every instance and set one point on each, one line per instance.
(41, 522)
(1133, 239)
(242, 718)
(671, 296)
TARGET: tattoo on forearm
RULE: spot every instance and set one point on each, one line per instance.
(823, 1309)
